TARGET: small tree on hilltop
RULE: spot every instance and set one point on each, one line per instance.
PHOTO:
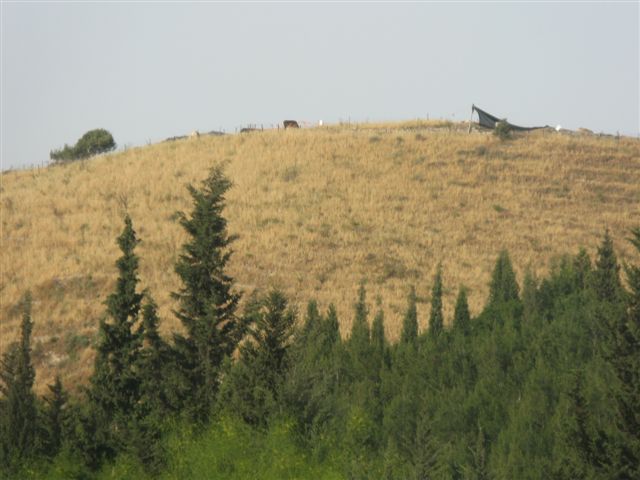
(91, 143)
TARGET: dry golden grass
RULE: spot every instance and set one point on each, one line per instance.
(317, 211)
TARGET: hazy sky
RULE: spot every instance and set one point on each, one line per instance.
(147, 71)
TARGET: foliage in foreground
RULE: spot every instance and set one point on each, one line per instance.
(542, 384)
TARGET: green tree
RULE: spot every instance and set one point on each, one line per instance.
(55, 418)
(624, 357)
(409, 333)
(582, 268)
(206, 301)
(504, 286)
(606, 276)
(461, 315)
(359, 344)
(18, 413)
(436, 318)
(253, 388)
(91, 143)
(378, 339)
(114, 390)
(159, 379)
(316, 377)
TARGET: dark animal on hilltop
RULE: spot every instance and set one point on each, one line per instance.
(290, 124)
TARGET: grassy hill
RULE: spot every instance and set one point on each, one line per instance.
(316, 211)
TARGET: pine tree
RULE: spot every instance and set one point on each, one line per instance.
(115, 383)
(253, 388)
(587, 444)
(360, 340)
(55, 418)
(18, 413)
(529, 295)
(582, 268)
(624, 356)
(425, 454)
(206, 301)
(436, 319)
(158, 381)
(504, 286)
(606, 276)
(378, 339)
(312, 319)
(461, 315)
(409, 333)
(331, 325)
(479, 468)
(315, 376)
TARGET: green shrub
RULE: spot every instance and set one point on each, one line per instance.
(502, 130)
(91, 143)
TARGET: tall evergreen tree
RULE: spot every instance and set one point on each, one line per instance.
(606, 276)
(55, 417)
(624, 356)
(359, 343)
(18, 413)
(158, 377)
(589, 455)
(425, 454)
(115, 382)
(378, 339)
(582, 268)
(409, 333)
(461, 315)
(155, 365)
(206, 301)
(436, 318)
(253, 387)
(504, 286)
(529, 295)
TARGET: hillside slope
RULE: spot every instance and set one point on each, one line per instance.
(316, 211)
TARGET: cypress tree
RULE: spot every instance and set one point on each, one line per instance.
(461, 315)
(606, 277)
(332, 325)
(18, 413)
(115, 382)
(312, 319)
(436, 319)
(529, 295)
(504, 286)
(55, 418)
(409, 333)
(360, 339)
(378, 339)
(159, 380)
(206, 301)
(589, 454)
(624, 356)
(582, 268)
(253, 388)
(425, 455)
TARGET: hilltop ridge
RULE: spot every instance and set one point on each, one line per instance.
(317, 211)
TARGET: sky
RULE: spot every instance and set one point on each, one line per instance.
(146, 71)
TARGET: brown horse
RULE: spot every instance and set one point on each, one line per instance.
(290, 124)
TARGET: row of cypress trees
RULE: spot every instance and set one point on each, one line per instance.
(542, 384)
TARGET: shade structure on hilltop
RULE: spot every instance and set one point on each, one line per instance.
(487, 120)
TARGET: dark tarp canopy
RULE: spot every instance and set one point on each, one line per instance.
(487, 120)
